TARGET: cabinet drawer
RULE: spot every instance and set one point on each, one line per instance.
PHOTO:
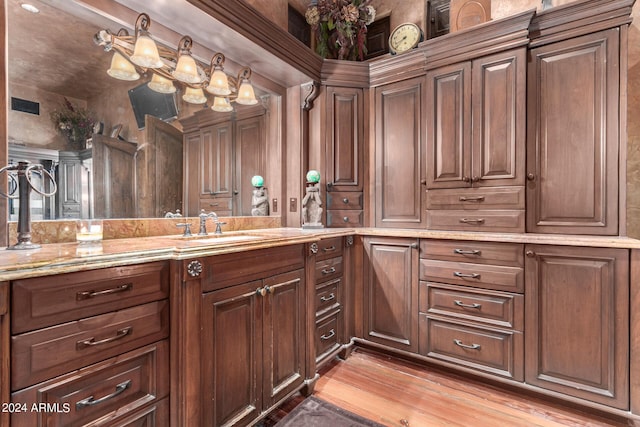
(476, 198)
(494, 308)
(344, 218)
(327, 335)
(47, 301)
(39, 355)
(496, 277)
(102, 393)
(344, 200)
(328, 269)
(489, 350)
(511, 254)
(329, 248)
(221, 206)
(509, 221)
(327, 296)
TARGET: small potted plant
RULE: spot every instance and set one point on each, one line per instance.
(75, 123)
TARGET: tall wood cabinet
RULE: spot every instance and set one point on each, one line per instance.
(577, 320)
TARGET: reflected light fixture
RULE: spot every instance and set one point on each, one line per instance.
(140, 55)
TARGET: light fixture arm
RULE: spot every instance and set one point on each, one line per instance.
(143, 22)
(184, 45)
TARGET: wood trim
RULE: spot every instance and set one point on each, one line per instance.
(345, 73)
(4, 128)
(634, 331)
(623, 68)
(396, 68)
(244, 19)
(5, 335)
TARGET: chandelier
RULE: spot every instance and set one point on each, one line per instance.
(139, 54)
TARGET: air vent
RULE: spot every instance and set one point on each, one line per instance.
(25, 106)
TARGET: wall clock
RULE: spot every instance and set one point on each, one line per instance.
(404, 38)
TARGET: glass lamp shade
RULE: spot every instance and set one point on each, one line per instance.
(246, 96)
(194, 96)
(145, 53)
(186, 69)
(122, 69)
(219, 84)
(221, 105)
(161, 84)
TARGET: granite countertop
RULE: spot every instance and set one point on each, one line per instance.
(56, 258)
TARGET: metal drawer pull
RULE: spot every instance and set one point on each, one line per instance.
(92, 294)
(329, 298)
(463, 305)
(329, 249)
(467, 252)
(90, 402)
(472, 220)
(332, 334)
(345, 219)
(329, 271)
(470, 347)
(121, 333)
(471, 199)
(345, 201)
(466, 276)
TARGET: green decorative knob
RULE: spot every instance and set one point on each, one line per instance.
(257, 181)
(313, 176)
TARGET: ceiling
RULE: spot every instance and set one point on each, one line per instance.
(54, 50)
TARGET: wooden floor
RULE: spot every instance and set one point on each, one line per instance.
(398, 393)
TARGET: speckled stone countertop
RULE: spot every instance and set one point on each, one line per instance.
(56, 258)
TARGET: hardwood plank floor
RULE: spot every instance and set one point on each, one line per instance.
(398, 393)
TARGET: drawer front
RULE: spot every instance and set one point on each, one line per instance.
(328, 296)
(327, 335)
(37, 356)
(329, 248)
(47, 301)
(221, 206)
(509, 221)
(328, 269)
(496, 277)
(511, 254)
(105, 391)
(493, 351)
(493, 308)
(476, 198)
(344, 218)
(344, 200)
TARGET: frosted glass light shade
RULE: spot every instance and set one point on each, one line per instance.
(122, 69)
(219, 84)
(246, 96)
(194, 96)
(221, 105)
(145, 53)
(186, 70)
(161, 84)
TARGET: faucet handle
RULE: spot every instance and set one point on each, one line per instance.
(219, 225)
(187, 228)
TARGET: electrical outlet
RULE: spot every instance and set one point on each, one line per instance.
(293, 204)
(275, 205)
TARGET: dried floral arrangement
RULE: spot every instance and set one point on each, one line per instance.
(340, 27)
(74, 123)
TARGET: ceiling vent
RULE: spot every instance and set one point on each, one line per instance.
(25, 106)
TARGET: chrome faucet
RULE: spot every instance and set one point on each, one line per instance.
(203, 222)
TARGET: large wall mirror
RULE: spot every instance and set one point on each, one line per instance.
(134, 165)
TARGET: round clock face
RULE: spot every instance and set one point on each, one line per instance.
(405, 37)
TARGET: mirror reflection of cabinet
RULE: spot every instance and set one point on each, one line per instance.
(75, 186)
(221, 154)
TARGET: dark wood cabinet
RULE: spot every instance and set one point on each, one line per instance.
(399, 154)
(252, 341)
(573, 135)
(75, 185)
(5, 355)
(250, 159)
(390, 305)
(577, 317)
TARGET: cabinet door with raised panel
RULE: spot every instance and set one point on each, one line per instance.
(499, 119)
(391, 292)
(231, 345)
(577, 322)
(399, 154)
(250, 159)
(573, 135)
(449, 126)
(216, 149)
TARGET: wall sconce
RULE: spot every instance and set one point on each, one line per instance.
(137, 55)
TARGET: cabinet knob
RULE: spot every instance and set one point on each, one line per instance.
(466, 179)
(475, 179)
(530, 254)
(423, 182)
(261, 292)
(345, 201)
(414, 245)
(345, 219)
(531, 177)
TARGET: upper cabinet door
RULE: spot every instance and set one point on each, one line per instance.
(345, 139)
(216, 152)
(573, 135)
(399, 154)
(499, 121)
(449, 126)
